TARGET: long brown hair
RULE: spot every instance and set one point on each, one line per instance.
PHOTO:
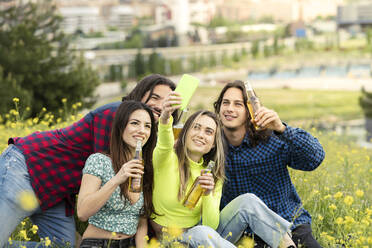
(120, 152)
(255, 136)
(216, 153)
(147, 84)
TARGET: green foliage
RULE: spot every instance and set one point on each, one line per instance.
(225, 59)
(36, 61)
(266, 51)
(365, 101)
(139, 65)
(276, 45)
(212, 60)
(255, 48)
(236, 57)
(303, 44)
(9, 88)
(176, 66)
(219, 21)
(156, 64)
(115, 73)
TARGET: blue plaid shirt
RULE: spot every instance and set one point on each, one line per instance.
(262, 170)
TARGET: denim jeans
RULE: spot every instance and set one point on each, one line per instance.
(15, 179)
(244, 211)
(248, 210)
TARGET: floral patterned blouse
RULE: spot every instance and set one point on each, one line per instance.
(117, 215)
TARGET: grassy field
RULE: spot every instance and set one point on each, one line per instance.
(293, 106)
(338, 194)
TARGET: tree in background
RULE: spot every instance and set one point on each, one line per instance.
(255, 48)
(139, 64)
(37, 63)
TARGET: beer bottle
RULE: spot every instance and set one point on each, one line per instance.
(253, 103)
(135, 184)
(177, 127)
(196, 191)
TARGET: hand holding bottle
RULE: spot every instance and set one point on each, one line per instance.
(132, 168)
(206, 181)
(268, 118)
(171, 103)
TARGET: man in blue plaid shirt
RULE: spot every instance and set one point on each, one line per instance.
(257, 160)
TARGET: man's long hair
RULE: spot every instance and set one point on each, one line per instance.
(147, 84)
(255, 136)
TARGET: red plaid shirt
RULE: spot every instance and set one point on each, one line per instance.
(55, 159)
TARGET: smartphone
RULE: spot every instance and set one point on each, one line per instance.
(186, 88)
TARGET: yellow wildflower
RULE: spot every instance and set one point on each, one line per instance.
(332, 207)
(34, 229)
(10, 241)
(327, 196)
(113, 234)
(27, 200)
(369, 240)
(339, 220)
(15, 99)
(359, 193)
(348, 200)
(175, 231)
(338, 195)
(43, 109)
(23, 234)
(64, 100)
(320, 217)
(349, 220)
(47, 241)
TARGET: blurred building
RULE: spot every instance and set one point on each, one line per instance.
(279, 10)
(355, 17)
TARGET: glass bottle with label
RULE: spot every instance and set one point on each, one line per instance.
(196, 191)
(253, 103)
(135, 184)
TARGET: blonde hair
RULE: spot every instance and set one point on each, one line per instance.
(216, 154)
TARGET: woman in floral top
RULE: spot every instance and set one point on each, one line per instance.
(117, 217)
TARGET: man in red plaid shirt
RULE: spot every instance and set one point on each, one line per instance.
(49, 165)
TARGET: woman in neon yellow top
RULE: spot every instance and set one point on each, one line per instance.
(176, 166)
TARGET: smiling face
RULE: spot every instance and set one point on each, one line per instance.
(200, 137)
(155, 101)
(138, 127)
(233, 113)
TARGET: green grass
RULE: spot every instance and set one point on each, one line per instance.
(293, 106)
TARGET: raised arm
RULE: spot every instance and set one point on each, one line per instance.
(305, 151)
(165, 141)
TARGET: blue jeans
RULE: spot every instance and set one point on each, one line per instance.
(244, 211)
(15, 179)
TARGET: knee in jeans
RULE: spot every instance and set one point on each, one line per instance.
(249, 203)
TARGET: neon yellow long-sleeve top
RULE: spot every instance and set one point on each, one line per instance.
(166, 185)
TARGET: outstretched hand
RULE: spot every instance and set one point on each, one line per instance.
(171, 103)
